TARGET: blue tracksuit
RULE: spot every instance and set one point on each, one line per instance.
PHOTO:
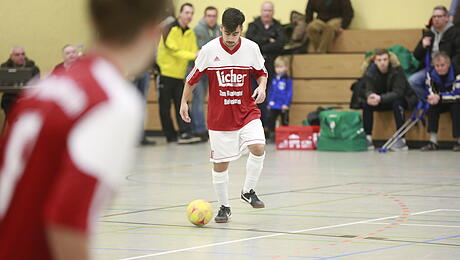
(280, 92)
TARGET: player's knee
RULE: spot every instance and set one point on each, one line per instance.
(257, 149)
(220, 167)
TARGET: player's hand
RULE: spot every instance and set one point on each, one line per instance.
(284, 107)
(259, 94)
(184, 112)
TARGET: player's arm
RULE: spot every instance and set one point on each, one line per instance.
(100, 148)
(186, 95)
(67, 244)
(260, 92)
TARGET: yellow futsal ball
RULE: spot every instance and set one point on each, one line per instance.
(199, 212)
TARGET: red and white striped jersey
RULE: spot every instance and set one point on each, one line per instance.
(68, 142)
(230, 105)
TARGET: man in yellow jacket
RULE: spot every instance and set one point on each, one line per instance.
(177, 48)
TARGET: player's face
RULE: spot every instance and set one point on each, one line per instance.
(441, 66)
(231, 39)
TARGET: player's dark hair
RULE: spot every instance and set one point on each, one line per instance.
(119, 21)
(231, 18)
(184, 5)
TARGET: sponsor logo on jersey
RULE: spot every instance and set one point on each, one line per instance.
(230, 79)
(216, 59)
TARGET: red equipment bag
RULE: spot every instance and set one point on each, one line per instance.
(296, 137)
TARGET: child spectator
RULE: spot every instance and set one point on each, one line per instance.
(280, 96)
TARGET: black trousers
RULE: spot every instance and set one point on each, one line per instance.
(170, 89)
(433, 117)
(397, 106)
(273, 114)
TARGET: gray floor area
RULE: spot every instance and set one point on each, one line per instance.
(320, 205)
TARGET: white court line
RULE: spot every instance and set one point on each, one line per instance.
(417, 225)
(428, 211)
(272, 235)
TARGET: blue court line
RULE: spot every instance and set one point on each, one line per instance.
(380, 249)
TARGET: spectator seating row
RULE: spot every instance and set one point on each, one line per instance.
(325, 79)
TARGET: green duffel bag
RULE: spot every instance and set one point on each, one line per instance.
(341, 131)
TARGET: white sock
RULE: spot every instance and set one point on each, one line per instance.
(220, 181)
(434, 138)
(253, 169)
(369, 138)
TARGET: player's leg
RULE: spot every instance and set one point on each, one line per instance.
(220, 183)
(224, 148)
(252, 135)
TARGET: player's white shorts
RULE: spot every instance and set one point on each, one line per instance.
(228, 146)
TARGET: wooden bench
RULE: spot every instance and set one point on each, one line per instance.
(360, 41)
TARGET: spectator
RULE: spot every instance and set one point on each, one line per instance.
(177, 48)
(70, 140)
(206, 30)
(268, 33)
(69, 54)
(443, 95)
(385, 88)
(142, 83)
(18, 59)
(442, 36)
(296, 34)
(333, 16)
(280, 96)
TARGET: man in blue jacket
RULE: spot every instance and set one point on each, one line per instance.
(443, 95)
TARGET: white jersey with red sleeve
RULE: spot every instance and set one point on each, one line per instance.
(230, 105)
(68, 142)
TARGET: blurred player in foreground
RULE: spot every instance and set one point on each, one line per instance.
(70, 139)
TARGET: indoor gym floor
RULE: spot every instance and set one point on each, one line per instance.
(319, 205)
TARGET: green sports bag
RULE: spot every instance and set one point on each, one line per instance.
(341, 131)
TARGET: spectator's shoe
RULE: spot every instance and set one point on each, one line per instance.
(251, 198)
(456, 148)
(171, 139)
(370, 145)
(223, 215)
(430, 147)
(145, 142)
(400, 145)
(204, 137)
(186, 138)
